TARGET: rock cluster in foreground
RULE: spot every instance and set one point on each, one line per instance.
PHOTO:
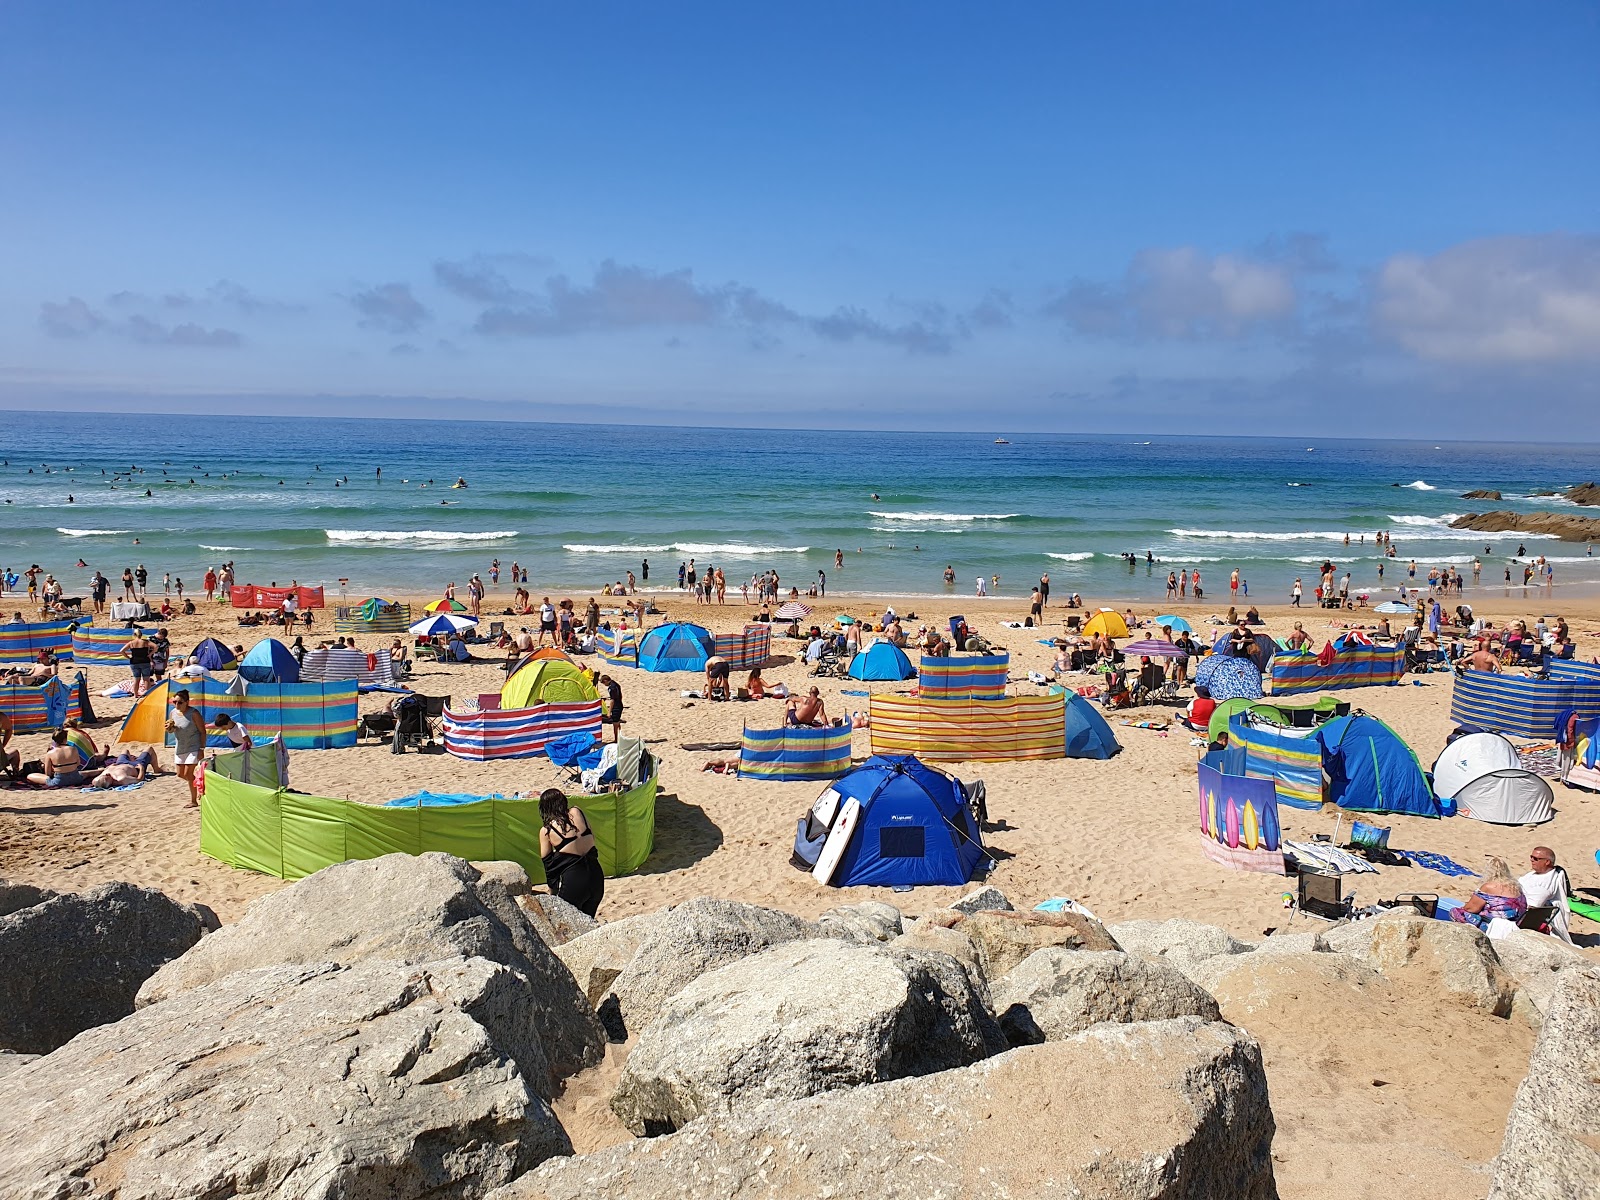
(400, 1027)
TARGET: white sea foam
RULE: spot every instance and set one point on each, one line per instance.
(934, 516)
(415, 535)
(92, 532)
(1421, 486)
(1079, 556)
(1442, 521)
(203, 546)
(1250, 535)
(737, 549)
(580, 548)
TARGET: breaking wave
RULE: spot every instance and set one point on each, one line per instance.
(415, 535)
(933, 516)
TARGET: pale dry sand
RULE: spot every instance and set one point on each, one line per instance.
(1119, 836)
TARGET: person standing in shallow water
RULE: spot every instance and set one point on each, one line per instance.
(567, 849)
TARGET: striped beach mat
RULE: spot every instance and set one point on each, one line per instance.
(22, 643)
(326, 666)
(966, 677)
(99, 647)
(517, 732)
(795, 752)
(747, 649)
(1016, 727)
(1520, 706)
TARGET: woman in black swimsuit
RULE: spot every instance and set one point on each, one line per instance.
(571, 862)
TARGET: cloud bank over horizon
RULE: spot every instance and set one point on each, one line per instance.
(1252, 244)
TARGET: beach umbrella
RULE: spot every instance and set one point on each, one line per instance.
(793, 611)
(1229, 678)
(454, 606)
(442, 623)
(1393, 606)
(1109, 622)
(1153, 648)
(845, 619)
(1179, 625)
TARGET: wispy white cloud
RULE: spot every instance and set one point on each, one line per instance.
(1495, 300)
(1183, 292)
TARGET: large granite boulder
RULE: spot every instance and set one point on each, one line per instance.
(378, 1079)
(1448, 958)
(1004, 939)
(596, 958)
(682, 944)
(1055, 993)
(1164, 1110)
(987, 898)
(400, 908)
(1180, 942)
(11, 1061)
(798, 1019)
(1536, 961)
(70, 961)
(930, 935)
(565, 921)
(869, 921)
(1552, 1143)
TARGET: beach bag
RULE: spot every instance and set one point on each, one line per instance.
(1371, 837)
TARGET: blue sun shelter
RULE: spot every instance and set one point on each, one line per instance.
(675, 646)
(913, 826)
(881, 662)
(1371, 769)
(269, 661)
(1088, 735)
(213, 655)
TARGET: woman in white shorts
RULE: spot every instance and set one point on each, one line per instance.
(188, 731)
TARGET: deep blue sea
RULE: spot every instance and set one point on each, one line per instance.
(579, 505)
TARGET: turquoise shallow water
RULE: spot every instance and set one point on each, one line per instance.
(579, 505)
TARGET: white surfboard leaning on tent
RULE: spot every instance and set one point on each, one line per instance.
(844, 826)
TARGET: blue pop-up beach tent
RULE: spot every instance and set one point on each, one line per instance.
(914, 827)
(1088, 735)
(213, 655)
(675, 646)
(269, 661)
(1371, 769)
(881, 661)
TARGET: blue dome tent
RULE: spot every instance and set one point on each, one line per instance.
(914, 827)
(675, 646)
(269, 661)
(1370, 769)
(1088, 735)
(213, 655)
(881, 661)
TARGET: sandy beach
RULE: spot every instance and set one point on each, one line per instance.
(1118, 836)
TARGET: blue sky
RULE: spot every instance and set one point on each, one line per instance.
(1359, 219)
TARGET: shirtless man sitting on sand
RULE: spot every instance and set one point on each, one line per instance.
(1481, 659)
(806, 710)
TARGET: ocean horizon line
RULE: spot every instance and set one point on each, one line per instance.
(1144, 438)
